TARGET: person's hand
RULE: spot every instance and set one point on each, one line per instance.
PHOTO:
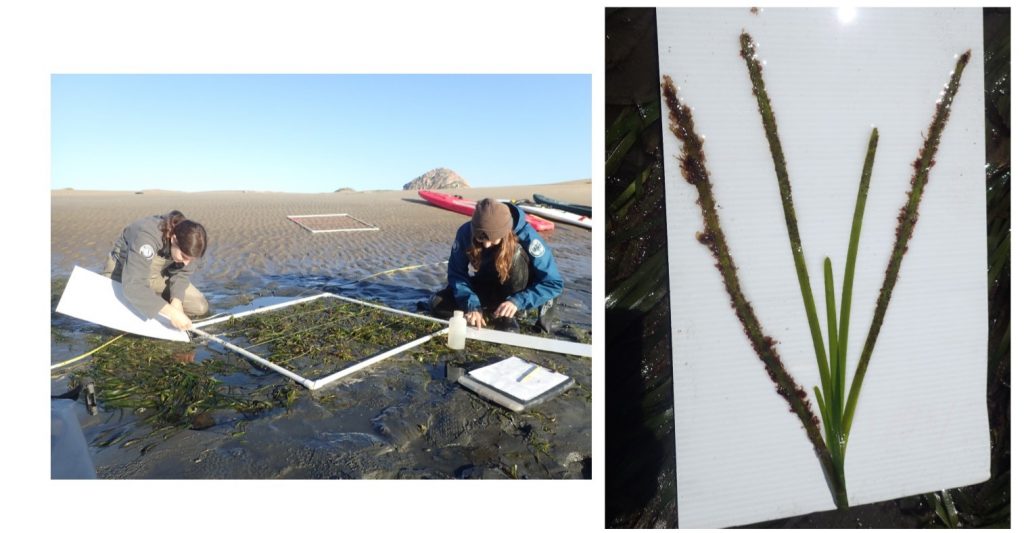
(177, 317)
(475, 318)
(176, 303)
(506, 309)
(181, 321)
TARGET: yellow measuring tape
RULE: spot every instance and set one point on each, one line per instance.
(86, 354)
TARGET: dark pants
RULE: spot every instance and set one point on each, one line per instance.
(194, 304)
(487, 287)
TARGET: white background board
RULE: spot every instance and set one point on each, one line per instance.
(98, 299)
(921, 423)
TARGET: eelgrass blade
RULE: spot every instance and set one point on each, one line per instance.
(632, 119)
(764, 105)
(628, 195)
(836, 393)
(630, 234)
(694, 170)
(999, 258)
(644, 278)
(826, 422)
(904, 231)
(626, 121)
(839, 374)
(614, 157)
(823, 407)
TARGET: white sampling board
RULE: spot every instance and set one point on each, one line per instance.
(921, 424)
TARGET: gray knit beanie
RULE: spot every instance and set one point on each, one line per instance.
(491, 219)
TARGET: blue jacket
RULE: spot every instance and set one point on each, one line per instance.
(545, 281)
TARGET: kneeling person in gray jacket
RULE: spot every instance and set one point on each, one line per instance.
(153, 259)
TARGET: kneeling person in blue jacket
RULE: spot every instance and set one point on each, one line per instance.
(514, 270)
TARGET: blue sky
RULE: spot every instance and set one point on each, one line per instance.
(316, 133)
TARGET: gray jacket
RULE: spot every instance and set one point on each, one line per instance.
(139, 245)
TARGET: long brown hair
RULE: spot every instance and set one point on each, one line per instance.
(191, 236)
(502, 261)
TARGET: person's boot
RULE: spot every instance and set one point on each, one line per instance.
(436, 305)
(505, 323)
(545, 316)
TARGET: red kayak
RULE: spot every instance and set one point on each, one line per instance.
(466, 207)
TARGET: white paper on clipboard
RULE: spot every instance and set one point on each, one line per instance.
(520, 379)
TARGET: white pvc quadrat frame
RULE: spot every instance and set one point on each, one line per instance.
(306, 382)
(370, 227)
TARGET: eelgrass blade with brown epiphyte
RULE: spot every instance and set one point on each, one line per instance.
(694, 170)
(904, 231)
(749, 53)
(829, 406)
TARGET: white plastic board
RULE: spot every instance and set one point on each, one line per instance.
(921, 424)
(98, 299)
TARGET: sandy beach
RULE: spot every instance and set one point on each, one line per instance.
(255, 251)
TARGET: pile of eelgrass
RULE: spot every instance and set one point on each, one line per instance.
(159, 381)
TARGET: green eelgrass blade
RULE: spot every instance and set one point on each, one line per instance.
(621, 136)
(999, 258)
(632, 119)
(643, 227)
(628, 193)
(836, 393)
(614, 157)
(631, 195)
(904, 230)
(826, 422)
(786, 192)
(823, 407)
(643, 281)
(839, 373)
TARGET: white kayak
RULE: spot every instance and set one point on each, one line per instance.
(557, 215)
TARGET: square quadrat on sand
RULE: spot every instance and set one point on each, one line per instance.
(331, 223)
(326, 336)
